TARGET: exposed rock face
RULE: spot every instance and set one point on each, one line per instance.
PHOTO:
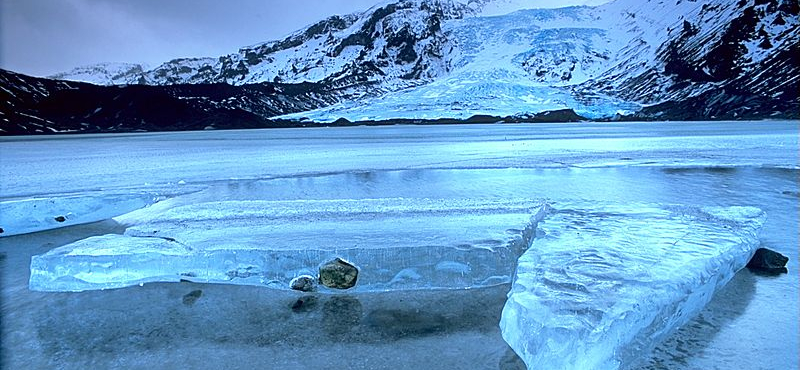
(31, 105)
(768, 261)
(730, 60)
(338, 274)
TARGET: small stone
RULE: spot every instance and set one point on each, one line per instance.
(766, 260)
(60, 218)
(338, 274)
(303, 283)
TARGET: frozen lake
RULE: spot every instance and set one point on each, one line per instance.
(752, 323)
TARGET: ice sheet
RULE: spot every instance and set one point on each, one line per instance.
(602, 284)
(397, 244)
(151, 159)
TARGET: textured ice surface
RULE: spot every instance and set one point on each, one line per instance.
(528, 61)
(602, 285)
(396, 244)
(22, 216)
(163, 158)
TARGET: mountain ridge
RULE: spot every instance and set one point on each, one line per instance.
(425, 60)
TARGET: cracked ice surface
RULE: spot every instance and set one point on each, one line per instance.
(397, 244)
(600, 287)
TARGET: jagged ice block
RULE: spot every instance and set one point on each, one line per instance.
(600, 286)
(396, 244)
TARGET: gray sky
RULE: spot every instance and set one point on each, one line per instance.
(42, 37)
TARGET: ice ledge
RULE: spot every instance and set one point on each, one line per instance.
(22, 216)
(600, 287)
(397, 244)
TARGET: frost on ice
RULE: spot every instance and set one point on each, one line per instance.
(599, 287)
(395, 244)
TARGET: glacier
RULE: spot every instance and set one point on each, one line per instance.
(396, 244)
(601, 286)
(501, 68)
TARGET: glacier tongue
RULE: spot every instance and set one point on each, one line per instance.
(396, 244)
(600, 286)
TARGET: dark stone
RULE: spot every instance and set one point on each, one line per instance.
(303, 283)
(60, 218)
(1, 230)
(338, 274)
(192, 297)
(305, 304)
(768, 261)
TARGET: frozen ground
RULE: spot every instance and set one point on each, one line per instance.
(752, 323)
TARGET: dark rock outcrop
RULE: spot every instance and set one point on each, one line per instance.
(31, 105)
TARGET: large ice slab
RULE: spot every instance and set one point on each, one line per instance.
(395, 243)
(602, 284)
(27, 215)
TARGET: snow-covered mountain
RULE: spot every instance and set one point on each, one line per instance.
(602, 60)
(397, 43)
(31, 105)
(431, 59)
(103, 73)
(623, 57)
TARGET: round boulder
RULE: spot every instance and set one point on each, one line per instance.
(303, 283)
(338, 274)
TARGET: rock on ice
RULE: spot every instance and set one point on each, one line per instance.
(394, 243)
